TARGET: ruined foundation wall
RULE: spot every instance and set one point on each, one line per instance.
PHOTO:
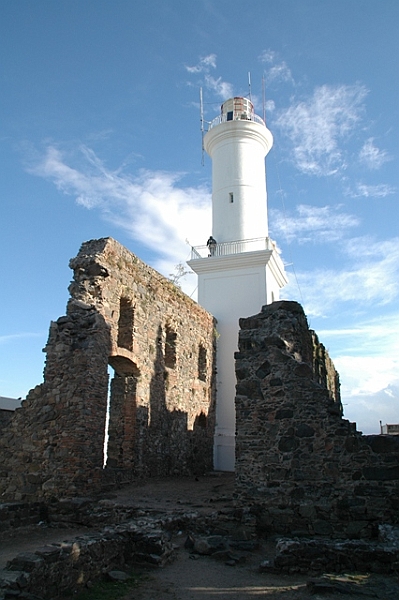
(161, 347)
(304, 468)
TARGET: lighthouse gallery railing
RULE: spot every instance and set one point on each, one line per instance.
(236, 247)
(242, 117)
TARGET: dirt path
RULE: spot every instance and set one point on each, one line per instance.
(205, 492)
(164, 495)
(203, 578)
(197, 577)
(206, 579)
(29, 539)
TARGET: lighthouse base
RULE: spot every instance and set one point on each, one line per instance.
(231, 287)
(224, 452)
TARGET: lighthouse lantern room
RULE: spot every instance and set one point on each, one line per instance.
(240, 269)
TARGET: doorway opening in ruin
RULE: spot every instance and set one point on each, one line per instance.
(120, 450)
(105, 451)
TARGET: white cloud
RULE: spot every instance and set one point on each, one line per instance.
(362, 190)
(368, 409)
(366, 352)
(221, 88)
(279, 72)
(373, 278)
(151, 207)
(268, 56)
(361, 375)
(376, 337)
(367, 247)
(317, 126)
(278, 69)
(371, 156)
(203, 65)
(312, 224)
(369, 390)
(366, 357)
(4, 339)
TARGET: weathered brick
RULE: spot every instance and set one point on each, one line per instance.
(161, 346)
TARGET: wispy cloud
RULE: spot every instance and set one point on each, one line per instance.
(367, 408)
(375, 337)
(362, 190)
(152, 207)
(4, 339)
(371, 156)
(372, 278)
(317, 126)
(217, 85)
(203, 65)
(277, 70)
(312, 224)
(222, 88)
(366, 357)
(367, 247)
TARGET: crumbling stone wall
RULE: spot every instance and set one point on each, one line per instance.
(161, 347)
(304, 468)
(5, 417)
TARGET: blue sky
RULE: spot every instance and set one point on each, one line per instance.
(100, 136)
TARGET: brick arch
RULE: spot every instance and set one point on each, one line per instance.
(124, 366)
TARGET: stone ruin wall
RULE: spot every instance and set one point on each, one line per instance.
(161, 346)
(301, 466)
(305, 469)
(5, 417)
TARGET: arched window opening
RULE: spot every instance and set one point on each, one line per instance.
(202, 363)
(125, 324)
(121, 430)
(170, 348)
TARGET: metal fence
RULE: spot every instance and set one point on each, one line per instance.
(228, 248)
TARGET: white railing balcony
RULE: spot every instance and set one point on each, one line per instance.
(228, 248)
(236, 117)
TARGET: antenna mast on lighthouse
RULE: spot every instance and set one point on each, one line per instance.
(263, 99)
(202, 126)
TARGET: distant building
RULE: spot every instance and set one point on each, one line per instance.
(9, 403)
(392, 429)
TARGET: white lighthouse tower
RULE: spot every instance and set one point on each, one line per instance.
(240, 269)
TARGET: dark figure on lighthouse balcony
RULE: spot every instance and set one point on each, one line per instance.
(211, 243)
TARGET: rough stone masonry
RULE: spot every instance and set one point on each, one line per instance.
(161, 347)
(300, 467)
(305, 469)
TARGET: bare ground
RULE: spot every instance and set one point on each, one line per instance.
(193, 577)
(206, 579)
